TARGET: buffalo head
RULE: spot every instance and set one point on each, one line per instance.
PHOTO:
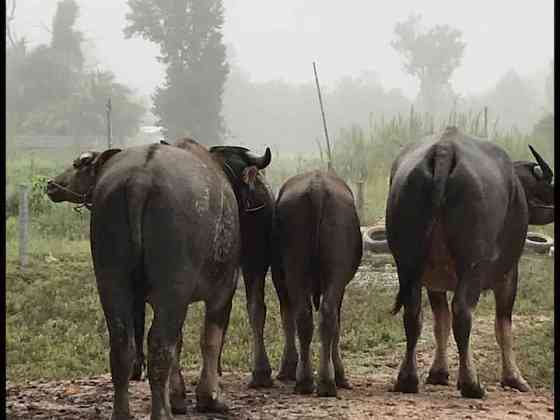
(241, 167)
(77, 182)
(537, 181)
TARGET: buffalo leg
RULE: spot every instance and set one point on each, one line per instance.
(439, 372)
(288, 364)
(164, 335)
(207, 390)
(407, 380)
(464, 301)
(177, 389)
(304, 326)
(139, 321)
(504, 294)
(116, 300)
(256, 309)
(339, 375)
(328, 329)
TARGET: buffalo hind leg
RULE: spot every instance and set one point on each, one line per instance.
(504, 294)
(439, 372)
(177, 395)
(288, 365)
(328, 329)
(407, 380)
(116, 300)
(339, 374)
(163, 338)
(139, 321)
(256, 309)
(464, 301)
(208, 390)
(304, 326)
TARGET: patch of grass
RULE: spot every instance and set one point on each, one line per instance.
(56, 329)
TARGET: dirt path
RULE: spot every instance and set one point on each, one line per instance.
(90, 398)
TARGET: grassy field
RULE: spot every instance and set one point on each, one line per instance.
(55, 327)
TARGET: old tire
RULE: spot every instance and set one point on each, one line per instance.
(538, 243)
(375, 240)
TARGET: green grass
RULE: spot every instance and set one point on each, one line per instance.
(56, 329)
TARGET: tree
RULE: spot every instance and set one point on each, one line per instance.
(430, 55)
(549, 88)
(66, 41)
(49, 92)
(189, 35)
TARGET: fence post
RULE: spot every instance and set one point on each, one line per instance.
(486, 121)
(23, 224)
(360, 200)
(411, 122)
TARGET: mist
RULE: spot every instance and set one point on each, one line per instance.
(269, 96)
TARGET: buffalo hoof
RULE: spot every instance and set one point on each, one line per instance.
(261, 380)
(208, 405)
(343, 383)
(516, 382)
(287, 373)
(438, 377)
(121, 416)
(178, 405)
(326, 389)
(286, 377)
(304, 387)
(407, 384)
(136, 372)
(471, 390)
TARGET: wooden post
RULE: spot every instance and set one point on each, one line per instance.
(411, 122)
(360, 200)
(109, 141)
(23, 224)
(486, 121)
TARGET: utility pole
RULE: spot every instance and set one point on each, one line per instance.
(329, 156)
(108, 106)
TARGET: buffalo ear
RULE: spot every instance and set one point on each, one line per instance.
(102, 158)
(249, 175)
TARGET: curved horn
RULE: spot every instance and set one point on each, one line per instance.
(260, 162)
(547, 172)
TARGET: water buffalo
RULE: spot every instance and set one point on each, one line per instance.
(317, 248)
(256, 224)
(456, 220)
(164, 229)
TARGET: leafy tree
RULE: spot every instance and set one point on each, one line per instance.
(430, 55)
(48, 91)
(189, 35)
(549, 88)
(66, 41)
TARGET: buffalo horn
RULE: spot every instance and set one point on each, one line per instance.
(547, 172)
(260, 162)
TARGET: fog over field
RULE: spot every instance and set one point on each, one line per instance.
(269, 95)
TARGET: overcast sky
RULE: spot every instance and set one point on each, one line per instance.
(275, 39)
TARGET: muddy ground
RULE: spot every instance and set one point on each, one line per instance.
(371, 376)
(90, 398)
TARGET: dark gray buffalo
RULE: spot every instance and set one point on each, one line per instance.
(164, 229)
(457, 216)
(256, 224)
(317, 248)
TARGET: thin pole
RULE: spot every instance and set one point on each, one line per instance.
(486, 121)
(329, 162)
(109, 142)
(23, 225)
